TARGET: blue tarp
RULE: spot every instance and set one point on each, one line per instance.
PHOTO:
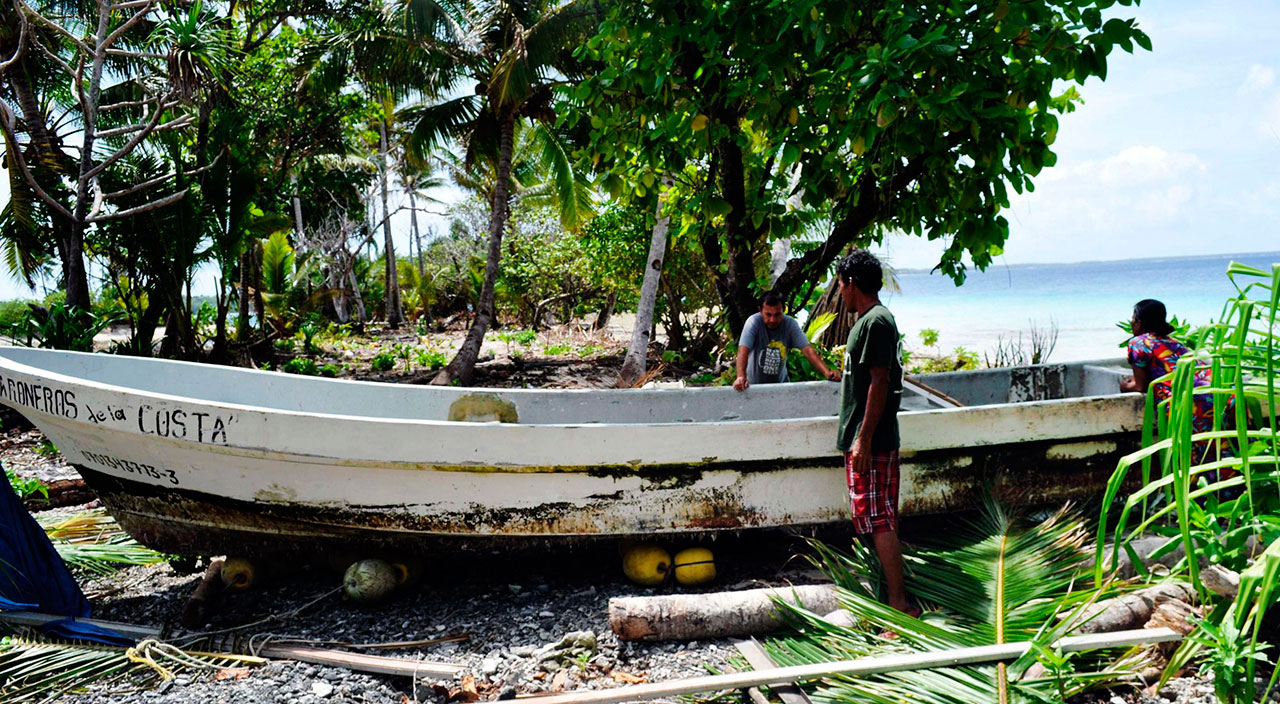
(34, 578)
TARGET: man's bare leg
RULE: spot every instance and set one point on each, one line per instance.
(889, 550)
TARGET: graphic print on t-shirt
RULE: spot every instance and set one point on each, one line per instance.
(772, 359)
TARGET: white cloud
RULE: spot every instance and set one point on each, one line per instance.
(1164, 203)
(1258, 78)
(1143, 164)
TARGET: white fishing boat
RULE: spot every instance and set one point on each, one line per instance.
(201, 459)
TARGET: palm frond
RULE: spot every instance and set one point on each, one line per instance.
(37, 669)
(94, 542)
(991, 581)
(573, 186)
(431, 125)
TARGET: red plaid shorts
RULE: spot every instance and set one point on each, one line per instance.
(873, 495)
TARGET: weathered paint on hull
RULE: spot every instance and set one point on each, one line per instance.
(938, 481)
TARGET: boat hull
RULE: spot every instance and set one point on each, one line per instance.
(188, 475)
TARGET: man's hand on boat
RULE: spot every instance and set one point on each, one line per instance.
(741, 383)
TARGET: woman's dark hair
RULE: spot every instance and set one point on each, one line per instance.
(1150, 313)
(863, 270)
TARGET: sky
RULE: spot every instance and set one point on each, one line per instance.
(1176, 153)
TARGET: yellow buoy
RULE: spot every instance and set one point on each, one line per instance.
(695, 566)
(238, 573)
(646, 565)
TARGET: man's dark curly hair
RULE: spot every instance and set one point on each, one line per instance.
(863, 270)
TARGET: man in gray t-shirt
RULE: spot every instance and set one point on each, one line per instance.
(767, 338)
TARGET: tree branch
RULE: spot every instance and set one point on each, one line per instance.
(137, 138)
(141, 208)
(53, 25)
(183, 121)
(22, 40)
(56, 59)
(135, 54)
(128, 104)
(8, 121)
(851, 224)
(111, 38)
(161, 179)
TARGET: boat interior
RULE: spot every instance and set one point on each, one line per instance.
(292, 393)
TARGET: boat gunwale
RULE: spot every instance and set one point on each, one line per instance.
(430, 422)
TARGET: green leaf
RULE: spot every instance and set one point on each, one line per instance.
(718, 206)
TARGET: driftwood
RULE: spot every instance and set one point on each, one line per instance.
(695, 616)
(1220, 580)
(200, 604)
(857, 668)
(1131, 610)
(1174, 615)
(63, 492)
(1146, 547)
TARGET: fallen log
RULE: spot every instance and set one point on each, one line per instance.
(856, 668)
(62, 492)
(1131, 610)
(1220, 580)
(718, 615)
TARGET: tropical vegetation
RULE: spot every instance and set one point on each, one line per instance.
(273, 148)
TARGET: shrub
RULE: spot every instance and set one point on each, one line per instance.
(60, 327)
(27, 488)
(12, 311)
(383, 361)
(431, 359)
(301, 365)
(331, 371)
(284, 344)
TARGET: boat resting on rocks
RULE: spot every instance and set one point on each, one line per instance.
(203, 459)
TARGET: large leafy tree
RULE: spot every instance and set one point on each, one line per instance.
(513, 54)
(875, 117)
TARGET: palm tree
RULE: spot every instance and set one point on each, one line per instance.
(515, 54)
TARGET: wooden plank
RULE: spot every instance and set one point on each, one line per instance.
(914, 385)
(760, 660)
(378, 664)
(861, 667)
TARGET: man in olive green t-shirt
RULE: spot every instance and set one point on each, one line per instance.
(870, 394)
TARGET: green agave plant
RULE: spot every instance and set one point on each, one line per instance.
(996, 580)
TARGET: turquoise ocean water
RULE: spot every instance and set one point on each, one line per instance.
(1084, 299)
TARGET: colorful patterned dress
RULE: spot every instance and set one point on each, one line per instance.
(1159, 356)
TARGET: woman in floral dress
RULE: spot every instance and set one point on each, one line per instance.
(1153, 354)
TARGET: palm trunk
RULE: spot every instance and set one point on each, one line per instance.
(395, 314)
(417, 237)
(464, 364)
(637, 355)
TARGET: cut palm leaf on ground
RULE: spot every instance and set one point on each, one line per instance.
(993, 581)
